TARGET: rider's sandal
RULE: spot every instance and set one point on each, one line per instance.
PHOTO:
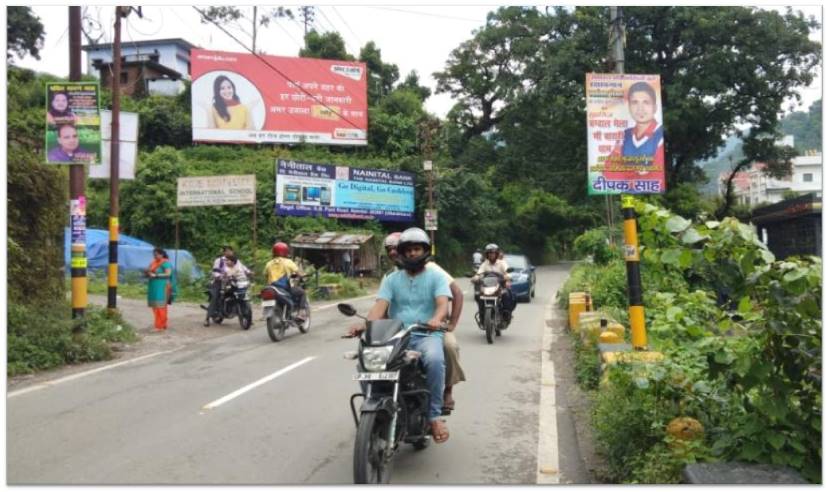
(443, 436)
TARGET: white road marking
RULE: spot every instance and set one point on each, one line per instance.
(255, 384)
(326, 306)
(82, 374)
(548, 470)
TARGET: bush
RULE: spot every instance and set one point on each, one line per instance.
(595, 243)
(45, 337)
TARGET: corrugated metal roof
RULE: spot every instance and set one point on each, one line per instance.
(330, 240)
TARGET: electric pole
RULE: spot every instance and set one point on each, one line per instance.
(631, 257)
(255, 18)
(115, 163)
(307, 18)
(77, 178)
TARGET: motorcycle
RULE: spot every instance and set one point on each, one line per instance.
(235, 302)
(395, 397)
(280, 309)
(489, 289)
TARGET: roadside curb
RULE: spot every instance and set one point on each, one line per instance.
(548, 468)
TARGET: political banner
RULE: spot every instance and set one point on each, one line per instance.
(246, 98)
(305, 188)
(73, 124)
(625, 135)
(206, 191)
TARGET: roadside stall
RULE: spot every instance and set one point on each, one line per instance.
(326, 250)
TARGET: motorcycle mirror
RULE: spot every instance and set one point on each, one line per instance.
(346, 309)
(510, 270)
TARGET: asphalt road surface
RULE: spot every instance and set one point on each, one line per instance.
(236, 408)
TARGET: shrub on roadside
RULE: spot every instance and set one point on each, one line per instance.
(45, 337)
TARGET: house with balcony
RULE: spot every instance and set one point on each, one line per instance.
(153, 67)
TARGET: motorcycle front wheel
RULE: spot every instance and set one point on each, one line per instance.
(370, 465)
(275, 328)
(305, 326)
(488, 322)
(245, 316)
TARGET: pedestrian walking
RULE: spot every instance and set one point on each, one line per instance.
(161, 287)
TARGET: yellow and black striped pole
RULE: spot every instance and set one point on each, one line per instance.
(112, 273)
(77, 179)
(639, 332)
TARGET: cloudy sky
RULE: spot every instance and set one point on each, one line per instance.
(413, 37)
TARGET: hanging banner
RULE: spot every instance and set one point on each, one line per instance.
(73, 125)
(206, 191)
(128, 133)
(246, 98)
(305, 188)
(625, 135)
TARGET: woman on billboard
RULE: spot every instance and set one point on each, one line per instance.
(227, 112)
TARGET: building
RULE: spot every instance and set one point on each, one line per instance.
(791, 227)
(147, 67)
(753, 187)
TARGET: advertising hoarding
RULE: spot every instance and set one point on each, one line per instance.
(73, 124)
(306, 188)
(245, 98)
(625, 134)
(205, 191)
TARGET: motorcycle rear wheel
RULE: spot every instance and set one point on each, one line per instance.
(370, 465)
(488, 322)
(275, 329)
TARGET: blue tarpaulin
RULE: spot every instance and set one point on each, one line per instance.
(133, 253)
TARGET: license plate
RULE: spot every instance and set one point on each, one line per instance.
(377, 376)
(269, 303)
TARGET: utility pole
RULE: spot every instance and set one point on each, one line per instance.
(114, 163)
(255, 18)
(429, 168)
(307, 17)
(77, 178)
(631, 257)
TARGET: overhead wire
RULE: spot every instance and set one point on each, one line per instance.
(279, 72)
(348, 26)
(334, 29)
(427, 14)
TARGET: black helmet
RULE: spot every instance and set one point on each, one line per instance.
(410, 237)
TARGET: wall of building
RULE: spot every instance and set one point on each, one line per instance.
(172, 56)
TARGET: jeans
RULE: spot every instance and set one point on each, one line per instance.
(214, 309)
(431, 348)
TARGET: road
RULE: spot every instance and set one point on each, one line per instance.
(239, 409)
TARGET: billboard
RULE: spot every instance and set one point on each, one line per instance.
(305, 188)
(625, 135)
(245, 98)
(128, 138)
(205, 191)
(73, 125)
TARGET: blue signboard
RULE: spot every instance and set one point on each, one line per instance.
(305, 188)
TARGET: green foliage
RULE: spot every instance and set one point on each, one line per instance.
(329, 46)
(45, 337)
(24, 33)
(806, 127)
(741, 334)
(595, 243)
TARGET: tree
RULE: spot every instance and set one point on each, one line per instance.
(329, 46)
(806, 128)
(381, 76)
(412, 83)
(235, 19)
(24, 33)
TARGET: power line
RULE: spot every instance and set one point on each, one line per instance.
(347, 26)
(281, 74)
(335, 29)
(427, 14)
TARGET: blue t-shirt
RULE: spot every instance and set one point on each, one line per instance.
(413, 299)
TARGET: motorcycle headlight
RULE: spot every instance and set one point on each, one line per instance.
(489, 291)
(376, 358)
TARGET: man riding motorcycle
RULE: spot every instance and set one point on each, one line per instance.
(217, 273)
(454, 373)
(494, 263)
(280, 269)
(412, 295)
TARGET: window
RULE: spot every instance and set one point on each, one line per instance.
(124, 77)
(808, 178)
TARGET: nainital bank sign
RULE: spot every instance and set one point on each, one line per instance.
(205, 191)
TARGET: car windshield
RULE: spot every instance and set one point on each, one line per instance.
(516, 262)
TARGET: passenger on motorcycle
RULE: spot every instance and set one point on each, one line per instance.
(416, 294)
(495, 263)
(217, 273)
(279, 270)
(235, 270)
(454, 372)
(477, 258)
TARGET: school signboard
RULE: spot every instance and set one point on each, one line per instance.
(625, 134)
(205, 191)
(322, 190)
(246, 98)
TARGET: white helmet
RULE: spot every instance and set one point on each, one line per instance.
(410, 237)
